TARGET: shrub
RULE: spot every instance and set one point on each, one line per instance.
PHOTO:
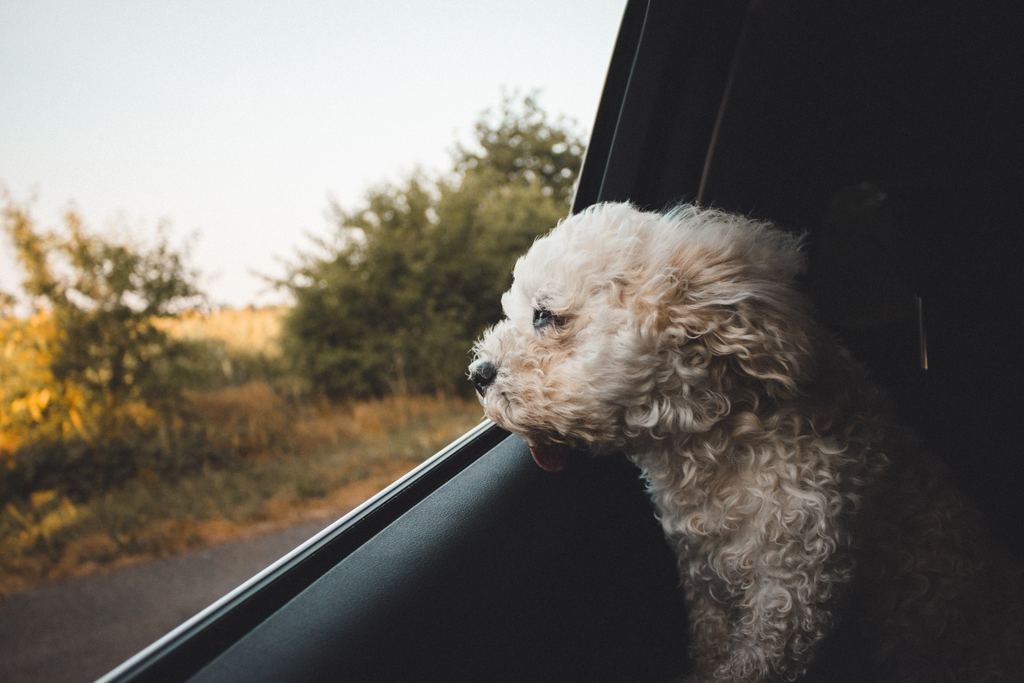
(392, 302)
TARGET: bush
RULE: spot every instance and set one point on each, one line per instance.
(92, 386)
(393, 301)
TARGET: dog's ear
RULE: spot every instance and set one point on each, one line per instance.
(729, 324)
(743, 304)
(764, 344)
(713, 356)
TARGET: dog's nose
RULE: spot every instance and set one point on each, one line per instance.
(482, 374)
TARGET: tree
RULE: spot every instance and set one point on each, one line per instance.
(519, 145)
(358, 301)
(393, 300)
(103, 368)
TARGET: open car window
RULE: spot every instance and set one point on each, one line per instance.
(178, 412)
(479, 530)
(478, 566)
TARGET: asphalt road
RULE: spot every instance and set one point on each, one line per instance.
(78, 630)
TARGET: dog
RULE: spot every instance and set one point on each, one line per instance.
(795, 506)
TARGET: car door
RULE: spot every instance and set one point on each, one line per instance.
(888, 135)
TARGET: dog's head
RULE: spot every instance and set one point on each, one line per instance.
(624, 325)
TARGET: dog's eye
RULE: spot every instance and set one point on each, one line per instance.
(543, 317)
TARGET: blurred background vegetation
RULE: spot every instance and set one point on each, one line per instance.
(136, 420)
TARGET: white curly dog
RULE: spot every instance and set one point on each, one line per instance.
(792, 501)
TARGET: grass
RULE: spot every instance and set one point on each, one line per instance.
(245, 330)
(318, 461)
(273, 462)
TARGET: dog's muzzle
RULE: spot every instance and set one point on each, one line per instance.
(482, 374)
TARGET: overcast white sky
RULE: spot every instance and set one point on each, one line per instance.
(238, 119)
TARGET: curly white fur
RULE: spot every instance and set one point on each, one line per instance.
(682, 340)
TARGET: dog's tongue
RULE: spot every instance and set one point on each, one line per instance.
(552, 458)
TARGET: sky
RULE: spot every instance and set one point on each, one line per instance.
(239, 121)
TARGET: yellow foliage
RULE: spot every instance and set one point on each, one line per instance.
(27, 387)
(12, 510)
(41, 498)
(48, 515)
(33, 403)
(8, 442)
(76, 421)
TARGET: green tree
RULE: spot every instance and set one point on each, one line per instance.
(357, 302)
(392, 301)
(519, 145)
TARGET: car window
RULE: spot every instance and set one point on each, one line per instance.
(244, 254)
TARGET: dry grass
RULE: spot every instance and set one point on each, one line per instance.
(245, 330)
(274, 462)
(316, 462)
(248, 418)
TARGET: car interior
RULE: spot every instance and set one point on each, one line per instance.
(888, 135)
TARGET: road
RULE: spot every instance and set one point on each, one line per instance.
(79, 629)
